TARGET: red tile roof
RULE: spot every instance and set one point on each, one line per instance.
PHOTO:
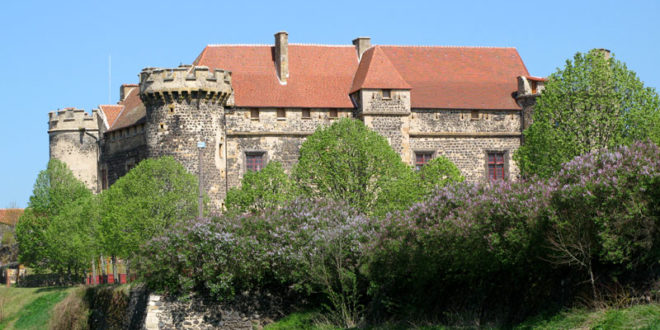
(376, 71)
(111, 112)
(459, 77)
(10, 216)
(133, 111)
(319, 76)
(322, 76)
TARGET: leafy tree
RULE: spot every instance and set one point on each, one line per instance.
(347, 161)
(47, 221)
(438, 172)
(593, 102)
(149, 199)
(261, 190)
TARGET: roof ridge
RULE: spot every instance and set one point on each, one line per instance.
(235, 45)
(446, 46)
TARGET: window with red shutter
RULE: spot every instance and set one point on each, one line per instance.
(495, 166)
(254, 161)
(421, 158)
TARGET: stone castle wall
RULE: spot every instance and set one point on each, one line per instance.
(185, 106)
(73, 139)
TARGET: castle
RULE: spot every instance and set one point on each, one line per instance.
(251, 104)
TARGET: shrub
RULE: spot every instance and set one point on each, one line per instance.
(71, 313)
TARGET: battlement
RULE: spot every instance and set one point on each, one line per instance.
(72, 119)
(185, 82)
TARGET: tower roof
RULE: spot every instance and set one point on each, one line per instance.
(376, 71)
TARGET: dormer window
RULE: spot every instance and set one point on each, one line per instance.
(387, 93)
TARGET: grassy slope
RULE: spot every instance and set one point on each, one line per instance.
(636, 317)
(28, 308)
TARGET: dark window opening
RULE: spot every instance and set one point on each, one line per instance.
(306, 113)
(421, 158)
(474, 115)
(254, 161)
(495, 166)
(387, 93)
(254, 114)
(281, 113)
(333, 114)
(104, 179)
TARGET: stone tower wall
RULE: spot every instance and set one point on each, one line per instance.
(185, 105)
(73, 139)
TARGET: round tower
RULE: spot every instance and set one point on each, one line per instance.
(73, 138)
(184, 106)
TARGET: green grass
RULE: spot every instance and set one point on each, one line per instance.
(308, 320)
(635, 317)
(28, 308)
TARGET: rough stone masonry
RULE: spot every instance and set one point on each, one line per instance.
(253, 104)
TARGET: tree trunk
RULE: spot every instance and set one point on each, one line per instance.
(94, 280)
(114, 269)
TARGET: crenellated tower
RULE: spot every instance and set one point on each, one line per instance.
(184, 106)
(73, 139)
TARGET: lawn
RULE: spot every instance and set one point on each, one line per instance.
(28, 308)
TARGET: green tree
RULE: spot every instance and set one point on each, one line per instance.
(261, 190)
(47, 221)
(347, 161)
(144, 203)
(593, 102)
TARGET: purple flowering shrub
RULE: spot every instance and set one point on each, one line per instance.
(202, 255)
(315, 247)
(463, 242)
(487, 243)
(605, 215)
(501, 249)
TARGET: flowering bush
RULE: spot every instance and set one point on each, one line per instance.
(311, 246)
(483, 248)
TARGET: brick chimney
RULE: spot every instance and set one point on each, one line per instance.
(282, 55)
(361, 45)
(125, 89)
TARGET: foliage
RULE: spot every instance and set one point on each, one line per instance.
(347, 161)
(592, 103)
(605, 209)
(54, 212)
(261, 190)
(148, 200)
(312, 246)
(485, 251)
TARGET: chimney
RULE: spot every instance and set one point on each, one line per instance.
(282, 55)
(361, 45)
(606, 53)
(125, 89)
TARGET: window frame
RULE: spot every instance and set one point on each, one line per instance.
(431, 154)
(504, 163)
(250, 153)
(333, 114)
(280, 114)
(389, 94)
(254, 114)
(306, 114)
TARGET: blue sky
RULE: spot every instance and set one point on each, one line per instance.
(54, 54)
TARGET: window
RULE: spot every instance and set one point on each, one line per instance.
(495, 166)
(333, 114)
(421, 158)
(387, 93)
(474, 115)
(254, 114)
(254, 161)
(306, 114)
(281, 114)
